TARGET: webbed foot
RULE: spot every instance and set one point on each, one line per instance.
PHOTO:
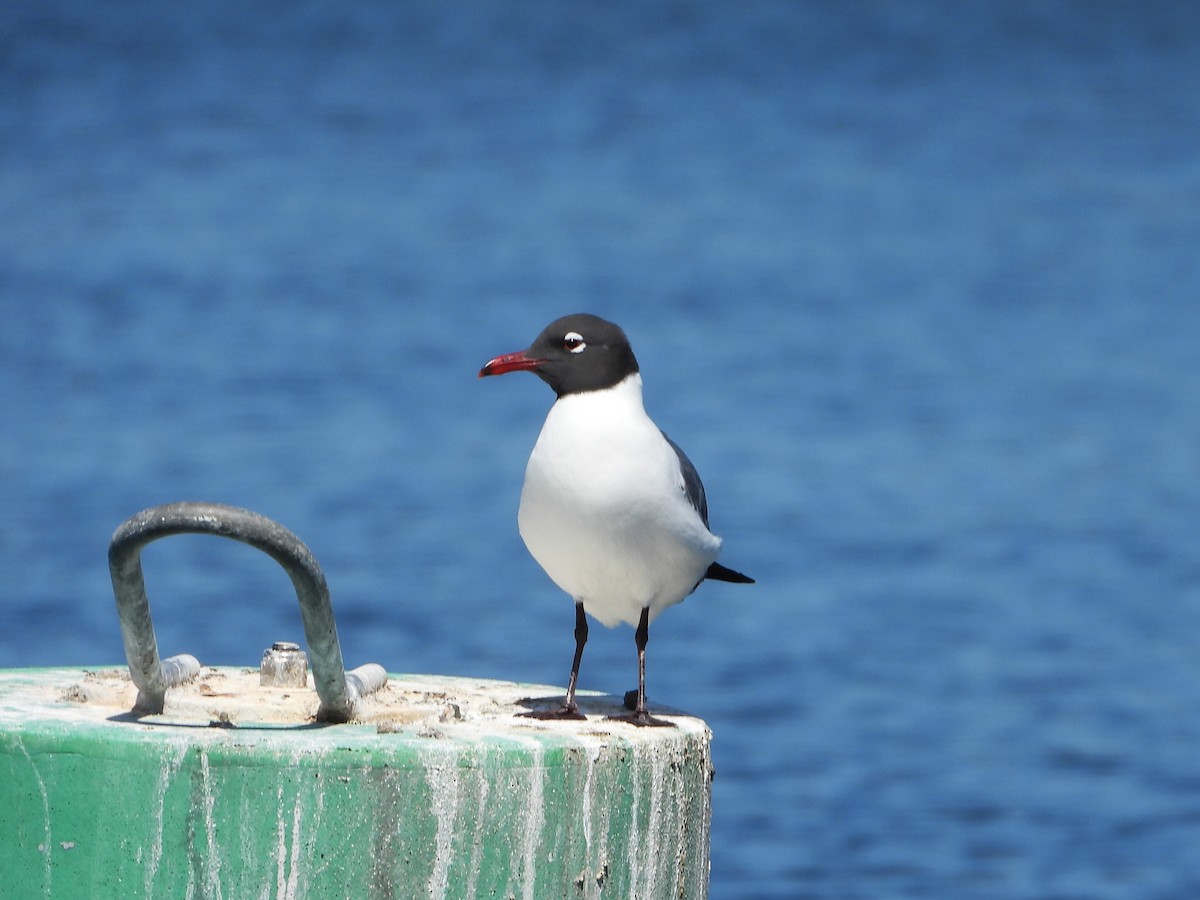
(566, 711)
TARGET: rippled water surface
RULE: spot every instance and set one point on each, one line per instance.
(916, 285)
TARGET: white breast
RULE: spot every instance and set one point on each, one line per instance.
(604, 511)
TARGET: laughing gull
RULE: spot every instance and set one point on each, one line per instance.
(612, 509)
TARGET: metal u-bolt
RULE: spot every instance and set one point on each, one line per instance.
(339, 690)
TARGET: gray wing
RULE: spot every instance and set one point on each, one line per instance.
(692, 485)
(694, 488)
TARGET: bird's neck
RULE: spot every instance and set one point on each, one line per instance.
(625, 394)
(590, 414)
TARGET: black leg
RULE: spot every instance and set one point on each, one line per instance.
(581, 636)
(569, 708)
(640, 716)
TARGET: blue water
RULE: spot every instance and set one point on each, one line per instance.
(916, 285)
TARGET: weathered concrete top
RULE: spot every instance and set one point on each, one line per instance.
(228, 705)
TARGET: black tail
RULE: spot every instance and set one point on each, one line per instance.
(718, 572)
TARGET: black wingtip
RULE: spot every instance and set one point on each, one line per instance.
(718, 572)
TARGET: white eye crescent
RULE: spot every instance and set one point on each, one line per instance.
(573, 342)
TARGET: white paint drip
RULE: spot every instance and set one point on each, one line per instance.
(280, 845)
(649, 860)
(44, 847)
(212, 871)
(477, 840)
(293, 880)
(658, 766)
(294, 854)
(171, 763)
(310, 866)
(680, 817)
(588, 776)
(444, 786)
(636, 856)
(595, 822)
(535, 819)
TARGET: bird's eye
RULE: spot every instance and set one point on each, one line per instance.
(573, 342)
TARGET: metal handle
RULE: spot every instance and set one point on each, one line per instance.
(339, 691)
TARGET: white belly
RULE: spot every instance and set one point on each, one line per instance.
(604, 512)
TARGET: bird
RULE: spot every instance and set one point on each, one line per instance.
(611, 508)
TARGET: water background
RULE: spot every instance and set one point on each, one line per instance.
(917, 286)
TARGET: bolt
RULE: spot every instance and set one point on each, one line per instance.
(284, 665)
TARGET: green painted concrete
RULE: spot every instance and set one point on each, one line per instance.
(440, 792)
